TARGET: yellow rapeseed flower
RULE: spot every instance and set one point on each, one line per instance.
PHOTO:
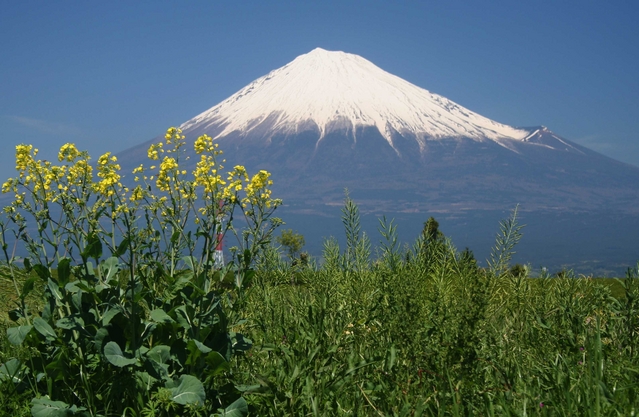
(203, 144)
(68, 152)
(153, 151)
(108, 171)
(23, 156)
(7, 186)
(167, 166)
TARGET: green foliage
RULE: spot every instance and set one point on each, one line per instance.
(518, 270)
(426, 331)
(292, 242)
(508, 237)
(136, 318)
(431, 231)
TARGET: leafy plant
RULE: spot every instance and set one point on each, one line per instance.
(135, 307)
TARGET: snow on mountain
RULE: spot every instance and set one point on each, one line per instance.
(328, 90)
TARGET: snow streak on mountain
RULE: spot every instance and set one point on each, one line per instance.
(335, 90)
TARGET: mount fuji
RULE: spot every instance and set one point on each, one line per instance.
(333, 120)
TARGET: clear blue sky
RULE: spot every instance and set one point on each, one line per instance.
(108, 75)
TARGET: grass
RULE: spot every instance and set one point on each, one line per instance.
(423, 331)
(409, 342)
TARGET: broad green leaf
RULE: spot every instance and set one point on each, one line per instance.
(90, 270)
(159, 316)
(110, 314)
(115, 356)
(93, 248)
(42, 271)
(239, 408)
(122, 247)
(70, 323)
(217, 364)
(160, 353)
(16, 335)
(247, 257)
(64, 271)
(44, 407)
(16, 314)
(157, 370)
(190, 262)
(189, 391)
(9, 370)
(44, 328)
(27, 287)
(76, 299)
(156, 360)
(75, 286)
(194, 353)
(148, 330)
(109, 268)
(182, 317)
(99, 338)
(250, 388)
(175, 237)
(202, 347)
(145, 378)
(55, 291)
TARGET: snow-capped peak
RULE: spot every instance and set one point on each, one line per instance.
(341, 90)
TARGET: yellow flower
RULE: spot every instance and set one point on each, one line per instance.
(206, 175)
(6, 187)
(153, 151)
(80, 173)
(23, 156)
(166, 167)
(203, 144)
(68, 152)
(107, 170)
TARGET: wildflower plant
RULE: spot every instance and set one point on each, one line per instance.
(134, 302)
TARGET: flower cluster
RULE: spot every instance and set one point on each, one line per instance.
(24, 157)
(235, 178)
(154, 149)
(68, 152)
(80, 174)
(257, 189)
(40, 177)
(167, 192)
(206, 175)
(205, 144)
(168, 168)
(107, 170)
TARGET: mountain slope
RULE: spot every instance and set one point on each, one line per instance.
(330, 120)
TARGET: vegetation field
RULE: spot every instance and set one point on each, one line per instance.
(123, 309)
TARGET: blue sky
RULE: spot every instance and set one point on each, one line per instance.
(108, 75)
